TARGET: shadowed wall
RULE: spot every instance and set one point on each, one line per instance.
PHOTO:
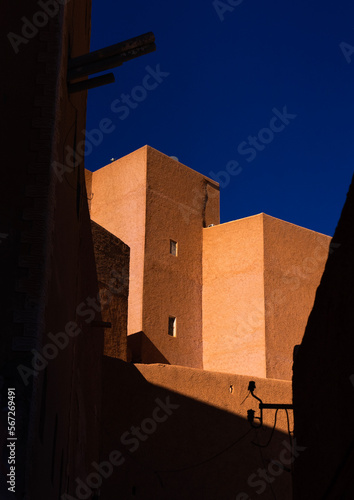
(323, 376)
(201, 447)
(47, 260)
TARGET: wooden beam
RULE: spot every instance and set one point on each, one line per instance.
(113, 50)
(91, 83)
(99, 65)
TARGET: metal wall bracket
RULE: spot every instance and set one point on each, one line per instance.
(263, 406)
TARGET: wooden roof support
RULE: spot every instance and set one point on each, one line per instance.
(110, 57)
(91, 83)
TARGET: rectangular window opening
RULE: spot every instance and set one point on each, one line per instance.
(173, 247)
(172, 326)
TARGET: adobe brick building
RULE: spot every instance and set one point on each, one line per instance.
(231, 297)
(211, 306)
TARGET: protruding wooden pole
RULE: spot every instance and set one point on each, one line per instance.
(91, 83)
(111, 56)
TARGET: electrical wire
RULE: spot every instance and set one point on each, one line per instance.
(263, 462)
(126, 453)
(210, 458)
(290, 438)
(289, 431)
(146, 465)
(249, 392)
(271, 434)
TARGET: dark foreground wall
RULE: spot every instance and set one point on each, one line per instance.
(323, 382)
(50, 351)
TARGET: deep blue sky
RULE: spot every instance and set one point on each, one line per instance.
(224, 79)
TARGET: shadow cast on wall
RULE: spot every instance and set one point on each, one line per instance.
(139, 344)
(165, 445)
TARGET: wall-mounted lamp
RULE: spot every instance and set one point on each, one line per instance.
(269, 406)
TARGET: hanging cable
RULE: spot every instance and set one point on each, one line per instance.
(208, 459)
(245, 398)
(289, 431)
(290, 438)
(263, 462)
(271, 434)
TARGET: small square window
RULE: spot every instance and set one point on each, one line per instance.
(172, 326)
(173, 247)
